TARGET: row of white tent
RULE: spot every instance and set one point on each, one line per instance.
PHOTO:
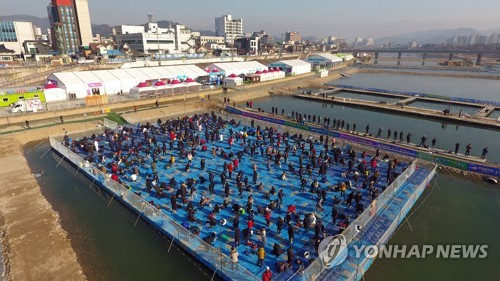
(80, 84)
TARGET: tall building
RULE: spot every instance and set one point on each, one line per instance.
(14, 33)
(229, 28)
(293, 36)
(70, 25)
(83, 20)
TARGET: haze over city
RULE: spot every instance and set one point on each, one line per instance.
(345, 19)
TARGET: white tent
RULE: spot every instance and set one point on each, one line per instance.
(324, 59)
(237, 68)
(233, 81)
(112, 85)
(127, 81)
(74, 87)
(54, 94)
(92, 82)
(293, 67)
(265, 75)
(142, 89)
(151, 74)
(81, 83)
(278, 74)
(192, 86)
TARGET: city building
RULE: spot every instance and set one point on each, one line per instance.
(83, 22)
(293, 36)
(229, 28)
(203, 40)
(70, 25)
(14, 33)
(6, 55)
(363, 42)
(247, 46)
(153, 39)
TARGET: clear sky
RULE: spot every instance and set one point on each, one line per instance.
(347, 18)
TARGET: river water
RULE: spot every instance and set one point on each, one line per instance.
(454, 211)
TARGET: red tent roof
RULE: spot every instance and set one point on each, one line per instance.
(233, 76)
(265, 71)
(175, 81)
(160, 83)
(215, 70)
(189, 80)
(50, 85)
(258, 72)
(142, 85)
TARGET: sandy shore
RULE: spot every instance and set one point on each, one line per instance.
(35, 247)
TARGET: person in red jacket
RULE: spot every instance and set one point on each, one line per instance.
(266, 276)
(230, 169)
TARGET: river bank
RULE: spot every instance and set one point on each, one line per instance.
(35, 247)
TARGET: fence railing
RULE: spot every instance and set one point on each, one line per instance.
(402, 208)
(207, 254)
(110, 124)
(315, 269)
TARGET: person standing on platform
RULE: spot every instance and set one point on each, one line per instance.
(261, 255)
(422, 141)
(267, 275)
(485, 151)
(367, 129)
(408, 138)
(457, 147)
(291, 232)
(234, 257)
(433, 142)
(468, 148)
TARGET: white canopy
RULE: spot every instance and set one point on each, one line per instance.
(70, 82)
(237, 68)
(294, 67)
(117, 80)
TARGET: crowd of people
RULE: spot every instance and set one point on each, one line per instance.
(255, 188)
(389, 134)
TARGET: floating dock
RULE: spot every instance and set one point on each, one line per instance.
(408, 110)
(155, 209)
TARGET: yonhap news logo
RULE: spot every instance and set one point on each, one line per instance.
(421, 251)
(333, 251)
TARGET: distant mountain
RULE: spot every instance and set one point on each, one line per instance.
(101, 29)
(429, 36)
(44, 24)
(206, 32)
(310, 38)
